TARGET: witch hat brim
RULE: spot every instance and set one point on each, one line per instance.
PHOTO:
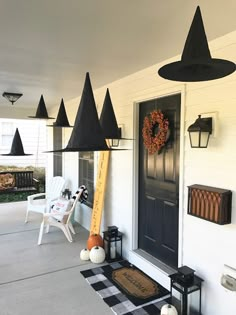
(16, 147)
(87, 134)
(196, 63)
(62, 120)
(41, 112)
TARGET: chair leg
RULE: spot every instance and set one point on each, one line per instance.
(41, 233)
(66, 232)
(26, 216)
(47, 228)
(71, 227)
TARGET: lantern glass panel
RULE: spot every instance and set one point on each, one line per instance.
(199, 139)
(186, 303)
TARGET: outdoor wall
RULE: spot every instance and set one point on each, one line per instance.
(203, 246)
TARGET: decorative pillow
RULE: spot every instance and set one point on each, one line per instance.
(59, 207)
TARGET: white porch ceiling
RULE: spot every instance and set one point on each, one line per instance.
(47, 46)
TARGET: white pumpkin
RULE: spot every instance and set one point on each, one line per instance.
(168, 309)
(84, 254)
(97, 255)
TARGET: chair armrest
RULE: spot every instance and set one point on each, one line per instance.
(32, 197)
(36, 183)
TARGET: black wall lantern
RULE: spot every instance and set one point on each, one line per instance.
(116, 141)
(199, 132)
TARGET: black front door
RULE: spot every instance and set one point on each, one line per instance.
(159, 185)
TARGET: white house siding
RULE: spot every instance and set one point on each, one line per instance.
(203, 246)
(33, 137)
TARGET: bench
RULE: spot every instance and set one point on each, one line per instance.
(17, 182)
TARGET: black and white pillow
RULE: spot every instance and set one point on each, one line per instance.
(84, 196)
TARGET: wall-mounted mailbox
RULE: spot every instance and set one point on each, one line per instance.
(210, 203)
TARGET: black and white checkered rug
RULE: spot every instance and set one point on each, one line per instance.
(117, 300)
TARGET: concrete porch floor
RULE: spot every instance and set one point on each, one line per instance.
(45, 279)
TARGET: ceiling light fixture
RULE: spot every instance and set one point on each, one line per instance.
(12, 97)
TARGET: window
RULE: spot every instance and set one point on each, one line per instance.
(86, 174)
(57, 156)
(7, 133)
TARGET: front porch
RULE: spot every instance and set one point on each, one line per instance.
(42, 279)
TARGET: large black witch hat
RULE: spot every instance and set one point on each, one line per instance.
(62, 120)
(41, 112)
(87, 134)
(17, 147)
(196, 63)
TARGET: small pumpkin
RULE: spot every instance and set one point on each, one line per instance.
(94, 240)
(97, 255)
(168, 309)
(84, 254)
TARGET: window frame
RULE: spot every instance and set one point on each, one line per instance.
(86, 165)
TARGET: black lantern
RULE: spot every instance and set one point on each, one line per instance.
(116, 141)
(189, 286)
(199, 132)
(112, 240)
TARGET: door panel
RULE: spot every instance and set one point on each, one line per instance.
(159, 186)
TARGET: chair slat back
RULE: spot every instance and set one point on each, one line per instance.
(54, 187)
(66, 218)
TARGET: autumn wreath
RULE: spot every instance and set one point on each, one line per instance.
(155, 131)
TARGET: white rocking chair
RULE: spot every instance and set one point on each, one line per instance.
(53, 192)
(51, 219)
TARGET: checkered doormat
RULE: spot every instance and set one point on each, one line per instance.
(120, 303)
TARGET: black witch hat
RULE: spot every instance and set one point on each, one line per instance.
(87, 134)
(196, 63)
(16, 147)
(108, 120)
(62, 120)
(41, 112)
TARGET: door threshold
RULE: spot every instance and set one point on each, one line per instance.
(154, 261)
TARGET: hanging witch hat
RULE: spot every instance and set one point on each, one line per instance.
(196, 63)
(108, 120)
(41, 112)
(62, 120)
(16, 147)
(87, 134)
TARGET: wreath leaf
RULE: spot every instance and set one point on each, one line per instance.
(155, 129)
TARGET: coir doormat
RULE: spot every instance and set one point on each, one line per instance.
(126, 289)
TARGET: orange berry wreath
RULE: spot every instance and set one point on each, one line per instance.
(155, 131)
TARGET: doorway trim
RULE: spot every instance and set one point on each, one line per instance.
(160, 93)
